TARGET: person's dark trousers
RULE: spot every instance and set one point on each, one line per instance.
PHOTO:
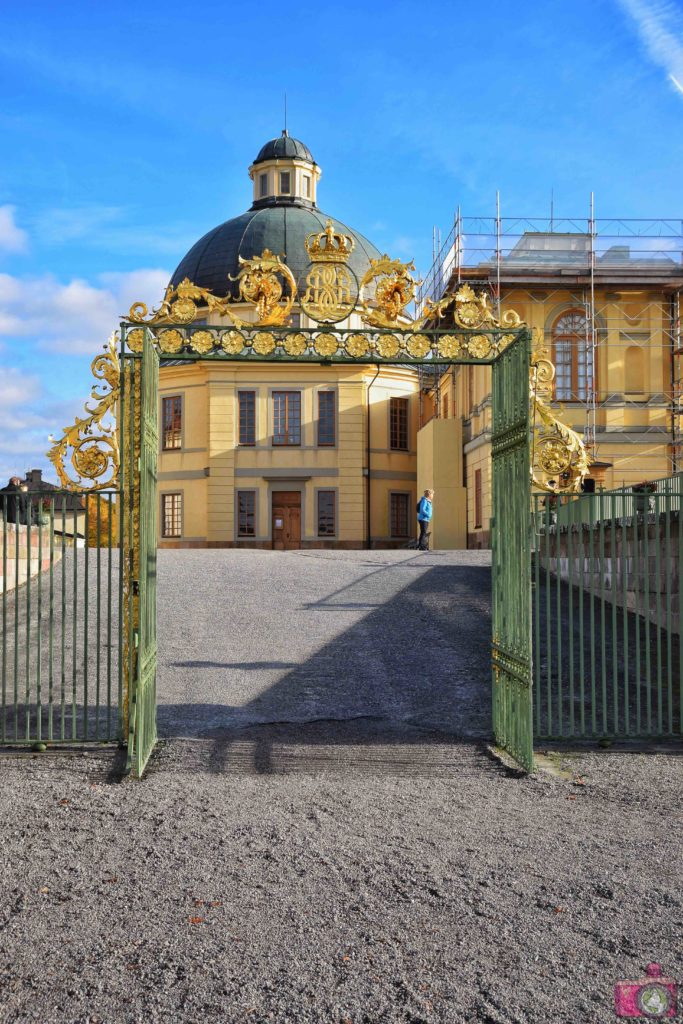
(422, 543)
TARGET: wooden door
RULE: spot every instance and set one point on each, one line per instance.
(286, 520)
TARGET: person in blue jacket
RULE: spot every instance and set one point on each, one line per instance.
(424, 517)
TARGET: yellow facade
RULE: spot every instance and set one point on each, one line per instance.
(211, 467)
(632, 413)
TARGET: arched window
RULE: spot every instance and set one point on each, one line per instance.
(573, 357)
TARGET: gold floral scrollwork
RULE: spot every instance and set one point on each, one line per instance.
(92, 440)
(179, 305)
(388, 346)
(559, 460)
(263, 343)
(134, 339)
(479, 346)
(295, 344)
(449, 346)
(202, 341)
(170, 341)
(419, 346)
(394, 290)
(326, 345)
(267, 284)
(357, 346)
(232, 342)
(469, 310)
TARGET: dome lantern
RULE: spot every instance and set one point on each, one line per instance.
(284, 172)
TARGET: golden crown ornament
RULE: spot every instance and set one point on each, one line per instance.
(329, 246)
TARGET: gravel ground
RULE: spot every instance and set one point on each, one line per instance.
(361, 865)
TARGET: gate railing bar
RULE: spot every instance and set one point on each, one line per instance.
(4, 621)
(62, 724)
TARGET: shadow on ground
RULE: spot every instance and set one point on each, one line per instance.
(388, 694)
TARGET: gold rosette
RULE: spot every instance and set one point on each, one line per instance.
(357, 346)
(449, 346)
(183, 311)
(418, 346)
(232, 342)
(479, 346)
(470, 314)
(134, 339)
(263, 343)
(326, 345)
(388, 346)
(202, 341)
(295, 344)
(170, 341)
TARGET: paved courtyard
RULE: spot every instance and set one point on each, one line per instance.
(322, 837)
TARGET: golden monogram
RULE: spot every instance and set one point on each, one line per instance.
(331, 286)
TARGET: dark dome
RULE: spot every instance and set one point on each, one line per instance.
(280, 228)
(284, 146)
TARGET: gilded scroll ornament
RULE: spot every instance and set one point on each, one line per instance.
(179, 305)
(268, 285)
(93, 441)
(559, 459)
(469, 310)
(394, 287)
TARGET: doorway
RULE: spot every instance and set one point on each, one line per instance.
(286, 520)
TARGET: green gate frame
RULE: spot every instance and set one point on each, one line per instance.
(508, 351)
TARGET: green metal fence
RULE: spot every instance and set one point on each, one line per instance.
(61, 597)
(607, 615)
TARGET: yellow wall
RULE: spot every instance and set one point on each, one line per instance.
(439, 461)
(211, 466)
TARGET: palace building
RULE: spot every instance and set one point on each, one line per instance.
(284, 456)
(603, 299)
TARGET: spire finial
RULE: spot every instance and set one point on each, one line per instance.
(285, 133)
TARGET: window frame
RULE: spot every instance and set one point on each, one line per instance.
(286, 443)
(575, 342)
(307, 186)
(394, 401)
(263, 185)
(244, 491)
(333, 492)
(172, 398)
(246, 391)
(406, 496)
(288, 175)
(179, 514)
(333, 394)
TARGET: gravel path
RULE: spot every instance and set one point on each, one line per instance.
(250, 637)
(362, 867)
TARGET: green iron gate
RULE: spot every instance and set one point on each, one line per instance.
(511, 554)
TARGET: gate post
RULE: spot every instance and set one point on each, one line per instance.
(140, 439)
(511, 553)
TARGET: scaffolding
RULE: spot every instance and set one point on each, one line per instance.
(625, 274)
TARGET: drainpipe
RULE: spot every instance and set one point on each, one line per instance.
(367, 462)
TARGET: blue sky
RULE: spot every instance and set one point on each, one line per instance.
(126, 130)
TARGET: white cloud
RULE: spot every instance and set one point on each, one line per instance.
(12, 238)
(660, 27)
(42, 320)
(77, 317)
